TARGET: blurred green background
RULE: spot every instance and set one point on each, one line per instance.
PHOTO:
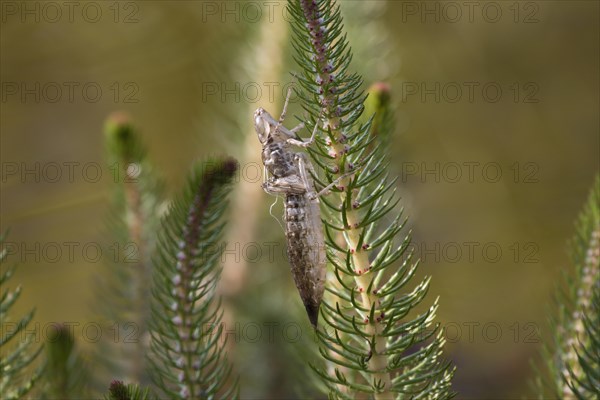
(496, 145)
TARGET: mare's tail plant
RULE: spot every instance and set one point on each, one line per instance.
(123, 294)
(573, 360)
(161, 284)
(17, 348)
(66, 373)
(187, 356)
(120, 391)
(372, 340)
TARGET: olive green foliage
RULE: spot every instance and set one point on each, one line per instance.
(18, 350)
(573, 359)
(186, 356)
(66, 373)
(123, 286)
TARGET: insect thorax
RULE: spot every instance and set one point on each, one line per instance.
(278, 160)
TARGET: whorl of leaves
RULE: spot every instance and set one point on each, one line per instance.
(17, 348)
(123, 288)
(187, 356)
(119, 391)
(370, 340)
(573, 360)
(66, 373)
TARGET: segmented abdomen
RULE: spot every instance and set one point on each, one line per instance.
(306, 252)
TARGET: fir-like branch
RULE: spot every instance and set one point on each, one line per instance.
(123, 295)
(187, 357)
(18, 350)
(371, 341)
(119, 391)
(66, 373)
(574, 359)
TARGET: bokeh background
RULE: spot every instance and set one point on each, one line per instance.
(496, 146)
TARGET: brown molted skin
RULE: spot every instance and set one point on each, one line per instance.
(307, 259)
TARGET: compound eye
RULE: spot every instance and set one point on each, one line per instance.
(258, 123)
(260, 126)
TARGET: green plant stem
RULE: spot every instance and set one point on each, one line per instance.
(187, 361)
(135, 225)
(378, 361)
(374, 339)
(577, 339)
(138, 199)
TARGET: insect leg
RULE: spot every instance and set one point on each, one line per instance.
(305, 167)
(310, 141)
(283, 186)
(279, 127)
(326, 189)
(285, 106)
(297, 128)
